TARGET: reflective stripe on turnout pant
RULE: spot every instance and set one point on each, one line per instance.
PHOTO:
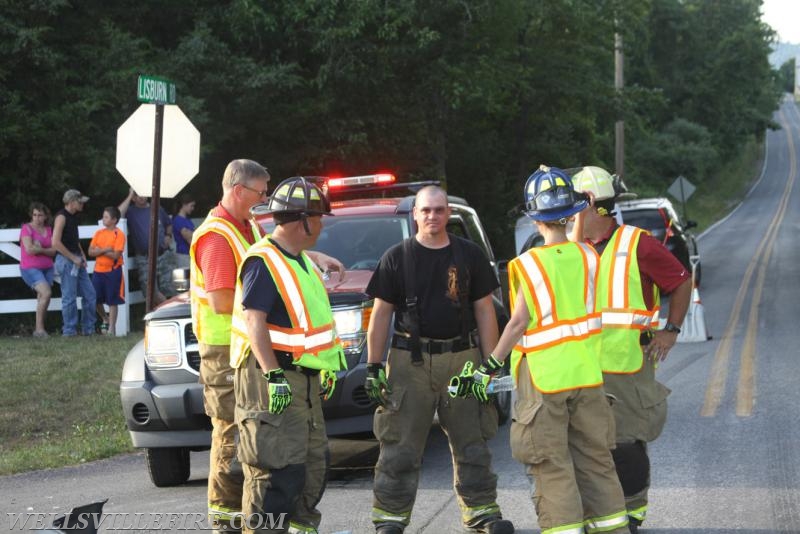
(402, 427)
(640, 412)
(224, 472)
(564, 441)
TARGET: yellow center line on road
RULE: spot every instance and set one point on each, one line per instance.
(745, 391)
(719, 368)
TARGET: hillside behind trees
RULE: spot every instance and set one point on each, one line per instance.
(477, 93)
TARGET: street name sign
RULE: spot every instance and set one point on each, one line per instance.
(154, 90)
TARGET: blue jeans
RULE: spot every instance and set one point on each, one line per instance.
(74, 283)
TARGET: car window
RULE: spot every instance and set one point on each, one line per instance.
(646, 219)
(467, 227)
(359, 242)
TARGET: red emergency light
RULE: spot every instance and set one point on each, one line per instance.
(370, 179)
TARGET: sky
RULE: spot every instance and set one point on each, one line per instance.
(784, 17)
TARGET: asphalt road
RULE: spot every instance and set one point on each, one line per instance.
(726, 463)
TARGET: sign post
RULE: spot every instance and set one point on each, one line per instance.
(682, 189)
(159, 92)
(175, 155)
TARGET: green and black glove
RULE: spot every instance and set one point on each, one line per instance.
(461, 385)
(327, 384)
(482, 377)
(278, 391)
(376, 384)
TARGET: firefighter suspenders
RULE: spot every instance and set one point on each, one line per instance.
(412, 304)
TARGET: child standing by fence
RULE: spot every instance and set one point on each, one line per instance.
(107, 246)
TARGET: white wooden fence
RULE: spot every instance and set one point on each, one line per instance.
(9, 243)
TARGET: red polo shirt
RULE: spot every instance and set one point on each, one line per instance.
(215, 257)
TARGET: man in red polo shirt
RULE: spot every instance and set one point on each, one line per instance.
(218, 246)
(634, 269)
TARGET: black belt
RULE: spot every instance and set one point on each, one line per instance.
(434, 346)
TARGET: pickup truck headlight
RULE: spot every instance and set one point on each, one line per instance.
(351, 325)
(162, 345)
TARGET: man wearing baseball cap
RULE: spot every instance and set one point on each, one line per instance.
(70, 264)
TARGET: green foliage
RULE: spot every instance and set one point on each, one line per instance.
(681, 148)
(472, 92)
(59, 401)
(786, 76)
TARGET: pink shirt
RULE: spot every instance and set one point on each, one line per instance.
(35, 261)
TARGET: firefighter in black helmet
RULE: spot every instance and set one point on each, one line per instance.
(286, 353)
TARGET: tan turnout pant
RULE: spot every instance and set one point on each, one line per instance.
(564, 441)
(224, 472)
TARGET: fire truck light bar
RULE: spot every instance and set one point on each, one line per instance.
(370, 179)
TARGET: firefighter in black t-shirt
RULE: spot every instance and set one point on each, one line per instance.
(451, 282)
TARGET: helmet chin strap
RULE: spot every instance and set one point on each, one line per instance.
(304, 218)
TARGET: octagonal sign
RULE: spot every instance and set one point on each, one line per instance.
(180, 153)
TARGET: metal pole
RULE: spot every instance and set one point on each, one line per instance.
(152, 249)
(619, 126)
(683, 198)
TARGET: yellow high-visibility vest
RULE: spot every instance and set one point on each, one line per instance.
(209, 327)
(560, 342)
(312, 338)
(621, 303)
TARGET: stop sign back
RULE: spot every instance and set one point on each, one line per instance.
(180, 156)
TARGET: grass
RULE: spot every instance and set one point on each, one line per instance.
(59, 401)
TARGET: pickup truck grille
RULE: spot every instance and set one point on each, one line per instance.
(192, 352)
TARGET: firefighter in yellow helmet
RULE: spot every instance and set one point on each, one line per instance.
(562, 419)
(285, 353)
(634, 269)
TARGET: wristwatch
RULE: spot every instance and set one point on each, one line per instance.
(669, 327)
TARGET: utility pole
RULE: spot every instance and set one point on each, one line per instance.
(619, 126)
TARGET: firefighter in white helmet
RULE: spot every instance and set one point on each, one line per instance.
(634, 269)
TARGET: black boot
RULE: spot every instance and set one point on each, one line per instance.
(389, 528)
(633, 525)
(494, 525)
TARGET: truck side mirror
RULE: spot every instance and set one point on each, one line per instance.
(180, 279)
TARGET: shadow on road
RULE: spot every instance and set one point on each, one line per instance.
(353, 459)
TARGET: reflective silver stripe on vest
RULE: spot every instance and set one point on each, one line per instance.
(539, 283)
(627, 318)
(553, 334)
(292, 291)
(619, 271)
(301, 340)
